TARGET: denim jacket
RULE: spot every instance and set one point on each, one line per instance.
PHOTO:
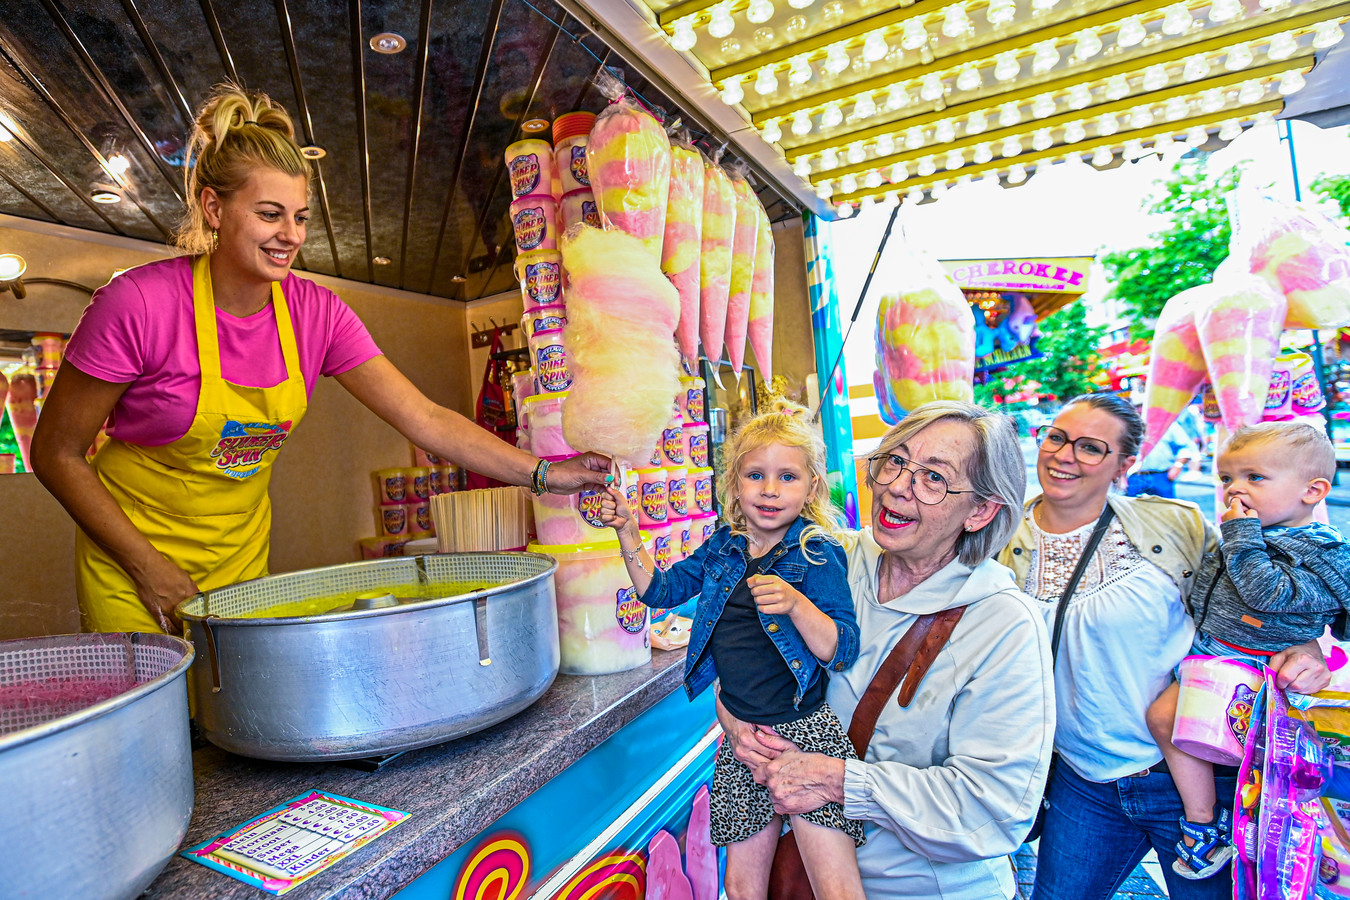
(720, 564)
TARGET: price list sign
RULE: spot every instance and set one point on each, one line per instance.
(291, 842)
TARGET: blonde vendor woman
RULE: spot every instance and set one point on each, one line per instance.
(202, 366)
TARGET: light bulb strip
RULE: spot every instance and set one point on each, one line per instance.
(1085, 116)
(697, 8)
(1175, 49)
(1211, 120)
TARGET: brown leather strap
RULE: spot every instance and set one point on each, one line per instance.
(908, 662)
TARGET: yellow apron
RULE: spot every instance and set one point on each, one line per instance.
(202, 500)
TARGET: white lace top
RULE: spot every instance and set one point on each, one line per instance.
(1124, 631)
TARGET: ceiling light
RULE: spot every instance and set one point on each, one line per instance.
(1176, 108)
(12, 266)
(1291, 83)
(1107, 125)
(885, 145)
(1074, 132)
(825, 190)
(1045, 58)
(1221, 11)
(899, 173)
(766, 82)
(721, 24)
(1007, 66)
(760, 11)
(983, 153)
(848, 184)
(1009, 114)
(684, 38)
(836, 59)
(969, 79)
(856, 153)
(384, 261)
(955, 160)
(1238, 57)
(388, 42)
(117, 165)
(1141, 117)
(843, 210)
(1282, 46)
(1043, 106)
(1196, 136)
(1080, 97)
(945, 131)
(931, 88)
(831, 116)
(1230, 130)
(864, 107)
(927, 167)
(1251, 92)
(1117, 87)
(1177, 20)
(1196, 67)
(873, 180)
(772, 133)
(799, 70)
(1155, 78)
(1131, 32)
(897, 97)
(1017, 174)
(829, 160)
(915, 35)
(1011, 147)
(1001, 12)
(1088, 46)
(105, 195)
(801, 123)
(802, 168)
(1327, 34)
(1102, 156)
(956, 23)
(875, 47)
(976, 122)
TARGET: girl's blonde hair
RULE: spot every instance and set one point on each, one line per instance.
(235, 133)
(789, 425)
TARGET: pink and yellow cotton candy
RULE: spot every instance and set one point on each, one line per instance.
(1176, 363)
(761, 298)
(719, 225)
(745, 235)
(628, 161)
(682, 248)
(1239, 324)
(619, 338)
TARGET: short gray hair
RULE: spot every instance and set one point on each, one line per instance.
(997, 471)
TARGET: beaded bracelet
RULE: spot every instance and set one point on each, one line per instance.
(539, 480)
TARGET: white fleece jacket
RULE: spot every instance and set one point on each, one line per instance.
(951, 784)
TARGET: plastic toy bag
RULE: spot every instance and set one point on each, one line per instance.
(925, 340)
(628, 161)
(745, 237)
(1277, 814)
(1239, 323)
(682, 246)
(671, 632)
(1176, 367)
(1298, 251)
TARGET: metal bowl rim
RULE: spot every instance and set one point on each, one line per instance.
(249, 621)
(105, 707)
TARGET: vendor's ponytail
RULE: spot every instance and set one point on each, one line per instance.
(235, 133)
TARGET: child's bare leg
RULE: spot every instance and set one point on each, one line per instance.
(749, 862)
(1194, 777)
(831, 861)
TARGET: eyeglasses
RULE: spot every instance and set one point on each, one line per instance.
(929, 487)
(1087, 450)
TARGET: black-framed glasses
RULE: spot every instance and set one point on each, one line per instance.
(929, 487)
(1087, 450)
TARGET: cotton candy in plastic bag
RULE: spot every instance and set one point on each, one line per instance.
(1176, 368)
(1239, 324)
(628, 161)
(925, 340)
(744, 239)
(1299, 251)
(682, 246)
(719, 226)
(760, 330)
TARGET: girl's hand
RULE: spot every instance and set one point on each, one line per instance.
(773, 595)
(1235, 510)
(614, 510)
(161, 588)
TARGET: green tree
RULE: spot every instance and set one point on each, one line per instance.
(1066, 369)
(1181, 255)
(1335, 188)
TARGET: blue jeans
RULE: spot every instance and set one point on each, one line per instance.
(1155, 483)
(1095, 834)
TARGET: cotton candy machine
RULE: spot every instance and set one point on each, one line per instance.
(372, 658)
(95, 763)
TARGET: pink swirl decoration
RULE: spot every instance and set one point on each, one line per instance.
(618, 876)
(497, 871)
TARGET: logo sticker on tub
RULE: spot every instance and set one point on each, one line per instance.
(588, 505)
(656, 456)
(524, 174)
(530, 226)
(551, 369)
(394, 488)
(543, 282)
(1307, 392)
(678, 498)
(548, 322)
(654, 502)
(589, 214)
(708, 528)
(242, 447)
(395, 519)
(703, 492)
(630, 493)
(693, 402)
(1278, 393)
(661, 546)
(578, 166)
(1239, 712)
(630, 612)
(672, 443)
(423, 514)
(698, 449)
(686, 540)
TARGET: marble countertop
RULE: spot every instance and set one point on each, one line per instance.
(453, 791)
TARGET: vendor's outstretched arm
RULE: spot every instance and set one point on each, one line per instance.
(389, 394)
(72, 413)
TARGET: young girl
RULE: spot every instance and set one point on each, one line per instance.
(774, 617)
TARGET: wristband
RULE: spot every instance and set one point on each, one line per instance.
(539, 480)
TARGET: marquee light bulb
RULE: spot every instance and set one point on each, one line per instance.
(802, 168)
(801, 123)
(799, 70)
(766, 82)
(914, 195)
(1074, 132)
(945, 131)
(760, 11)
(1043, 106)
(891, 199)
(873, 180)
(976, 122)
(915, 36)
(829, 159)
(1291, 83)
(1042, 140)
(914, 138)
(867, 204)
(955, 160)
(927, 167)
(931, 88)
(843, 210)
(983, 153)
(1263, 119)
(1089, 45)
(1107, 125)
(848, 184)
(683, 38)
(732, 92)
(836, 59)
(825, 190)
(1230, 130)
(1141, 117)
(1009, 114)
(1211, 101)
(956, 23)
(864, 107)
(772, 133)
(899, 173)
(1132, 32)
(897, 98)
(1155, 78)
(1327, 34)
(800, 4)
(1133, 149)
(1007, 67)
(1041, 7)
(1117, 87)
(1045, 58)
(1251, 92)
(795, 27)
(832, 116)
(938, 189)
(721, 24)
(1102, 156)
(856, 153)
(1177, 20)
(1282, 46)
(1196, 136)
(1000, 12)
(1163, 144)
(1221, 11)
(1080, 97)
(1017, 174)
(969, 79)
(885, 145)
(1196, 68)
(1011, 147)
(1176, 108)
(1239, 57)
(875, 47)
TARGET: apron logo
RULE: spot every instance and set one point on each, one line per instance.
(239, 452)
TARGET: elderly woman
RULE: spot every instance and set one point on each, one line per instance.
(950, 783)
(1124, 630)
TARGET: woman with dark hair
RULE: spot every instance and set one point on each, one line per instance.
(1122, 632)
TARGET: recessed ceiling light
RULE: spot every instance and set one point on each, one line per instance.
(105, 196)
(381, 260)
(388, 42)
(534, 125)
(457, 279)
(313, 151)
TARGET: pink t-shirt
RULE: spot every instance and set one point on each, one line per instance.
(138, 330)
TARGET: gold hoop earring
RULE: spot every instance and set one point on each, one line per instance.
(215, 240)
